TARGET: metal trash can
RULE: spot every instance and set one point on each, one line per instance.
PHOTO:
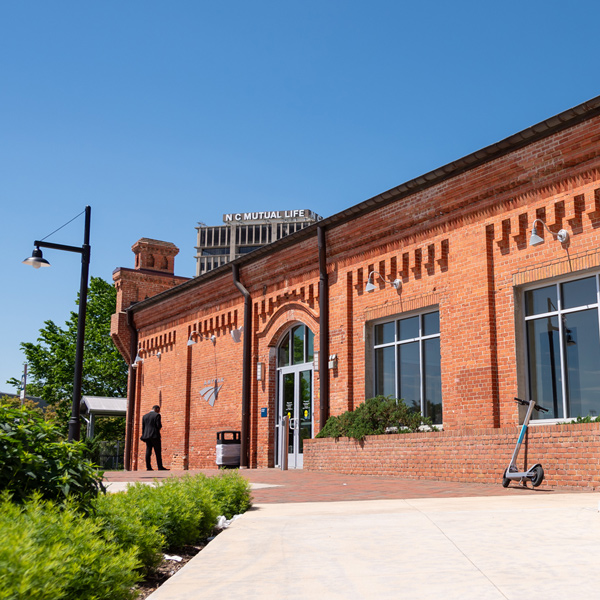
(229, 444)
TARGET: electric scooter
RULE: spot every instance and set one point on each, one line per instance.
(534, 474)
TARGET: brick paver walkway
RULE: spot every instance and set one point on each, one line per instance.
(319, 486)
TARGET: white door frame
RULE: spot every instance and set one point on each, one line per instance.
(294, 409)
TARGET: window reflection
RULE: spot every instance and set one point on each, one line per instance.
(583, 362)
(408, 365)
(564, 348)
(541, 301)
(296, 347)
(544, 366)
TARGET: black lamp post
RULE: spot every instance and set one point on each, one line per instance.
(36, 261)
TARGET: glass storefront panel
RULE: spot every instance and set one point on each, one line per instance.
(409, 375)
(431, 323)
(283, 359)
(583, 362)
(545, 367)
(432, 378)
(541, 301)
(298, 344)
(385, 371)
(579, 293)
(408, 329)
(310, 345)
(384, 333)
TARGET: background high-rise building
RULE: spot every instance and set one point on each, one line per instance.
(245, 232)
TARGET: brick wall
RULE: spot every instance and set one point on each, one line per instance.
(460, 246)
(569, 454)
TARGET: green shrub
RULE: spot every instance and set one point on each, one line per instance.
(375, 416)
(34, 458)
(51, 552)
(172, 514)
(121, 521)
(231, 493)
(586, 419)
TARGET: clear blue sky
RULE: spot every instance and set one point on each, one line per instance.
(162, 114)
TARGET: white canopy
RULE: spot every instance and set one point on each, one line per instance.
(100, 406)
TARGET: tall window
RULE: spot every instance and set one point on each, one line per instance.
(407, 362)
(563, 344)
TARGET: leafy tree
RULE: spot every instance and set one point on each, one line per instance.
(34, 458)
(51, 361)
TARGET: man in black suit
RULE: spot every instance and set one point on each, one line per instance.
(151, 426)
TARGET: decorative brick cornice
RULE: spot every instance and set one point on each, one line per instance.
(563, 266)
(402, 305)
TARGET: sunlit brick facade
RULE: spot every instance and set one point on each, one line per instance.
(459, 336)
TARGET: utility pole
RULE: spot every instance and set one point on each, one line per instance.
(23, 384)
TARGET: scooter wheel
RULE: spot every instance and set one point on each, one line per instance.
(506, 480)
(538, 475)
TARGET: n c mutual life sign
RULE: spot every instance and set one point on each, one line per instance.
(279, 215)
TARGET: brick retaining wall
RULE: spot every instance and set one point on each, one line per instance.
(569, 454)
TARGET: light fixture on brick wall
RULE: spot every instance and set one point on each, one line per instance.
(191, 341)
(370, 287)
(562, 236)
(236, 334)
(138, 359)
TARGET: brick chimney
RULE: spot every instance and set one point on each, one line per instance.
(154, 273)
(154, 255)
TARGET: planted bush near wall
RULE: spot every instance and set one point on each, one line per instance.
(231, 493)
(51, 552)
(35, 458)
(175, 513)
(375, 416)
(52, 549)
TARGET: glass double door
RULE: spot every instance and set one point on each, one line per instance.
(295, 403)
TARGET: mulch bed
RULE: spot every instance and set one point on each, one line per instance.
(167, 569)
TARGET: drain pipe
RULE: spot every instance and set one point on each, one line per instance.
(131, 385)
(323, 329)
(246, 374)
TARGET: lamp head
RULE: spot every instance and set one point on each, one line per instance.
(192, 341)
(370, 287)
(535, 239)
(36, 260)
(236, 334)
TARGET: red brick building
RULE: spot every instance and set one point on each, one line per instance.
(465, 314)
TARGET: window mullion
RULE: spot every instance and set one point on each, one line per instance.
(397, 370)
(421, 376)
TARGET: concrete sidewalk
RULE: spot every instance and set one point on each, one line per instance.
(533, 546)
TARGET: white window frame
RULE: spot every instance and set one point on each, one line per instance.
(559, 312)
(397, 343)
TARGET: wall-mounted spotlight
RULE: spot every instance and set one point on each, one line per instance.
(138, 359)
(191, 341)
(236, 334)
(562, 236)
(370, 287)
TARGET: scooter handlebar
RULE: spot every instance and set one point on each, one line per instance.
(526, 402)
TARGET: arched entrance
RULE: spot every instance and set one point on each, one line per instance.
(295, 356)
